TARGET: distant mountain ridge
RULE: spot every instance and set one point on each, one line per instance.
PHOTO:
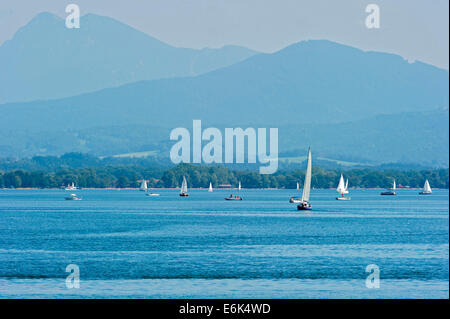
(420, 138)
(45, 60)
(311, 82)
(347, 102)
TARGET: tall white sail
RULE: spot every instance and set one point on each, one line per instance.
(143, 185)
(426, 187)
(239, 186)
(307, 184)
(184, 186)
(341, 186)
(210, 189)
(394, 186)
(346, 187)
(298, 187)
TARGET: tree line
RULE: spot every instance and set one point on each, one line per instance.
(201, 176)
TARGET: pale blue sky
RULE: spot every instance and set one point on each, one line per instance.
(414, 29)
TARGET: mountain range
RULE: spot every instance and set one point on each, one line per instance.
(344, 102)
(46, 60)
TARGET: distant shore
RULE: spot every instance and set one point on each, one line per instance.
(202, 188)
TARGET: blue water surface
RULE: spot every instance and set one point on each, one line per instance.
(128, 245)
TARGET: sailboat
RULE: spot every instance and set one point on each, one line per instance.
(71, 187)
(426, 189)
(183, 191)
(295, 199)
(391, 191)
(342, 189)
(143, 187)
(305, 204)
(210, 189)
(239, 186)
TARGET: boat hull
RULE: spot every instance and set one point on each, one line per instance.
(228, 198)
(425, 193)
(343, 198)
(388, 193)
(184, 195)
(296, 201)
(303, 207)
(153, 195)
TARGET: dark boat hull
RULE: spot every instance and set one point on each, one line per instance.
(184, 195)
(388, 193)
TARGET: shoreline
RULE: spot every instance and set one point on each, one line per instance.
(205, 188)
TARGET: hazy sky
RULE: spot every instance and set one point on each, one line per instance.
(414, 29)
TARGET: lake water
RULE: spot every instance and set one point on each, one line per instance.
(128, 245)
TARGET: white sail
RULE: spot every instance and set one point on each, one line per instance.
(184, 186)
(239, 186)
(210, 189)
(143, 185)
(394, 186)
(341, 187)
(298, 187)
(346, 187)
(307, 184)
(426, 187)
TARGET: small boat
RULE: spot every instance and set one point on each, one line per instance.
(239, 186)
(183, 191)
(426, 189)
(305, 204)
(235, 197)
(295, 200)
(210, 189)
(151, 194)
(342, 189)
(71, 187)
(72, 197)
(143, 187)
(390, 191)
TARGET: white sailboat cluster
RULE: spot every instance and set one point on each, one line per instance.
(71, 187)
(342, 189)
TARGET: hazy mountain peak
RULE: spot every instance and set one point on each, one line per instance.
(46, 60)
